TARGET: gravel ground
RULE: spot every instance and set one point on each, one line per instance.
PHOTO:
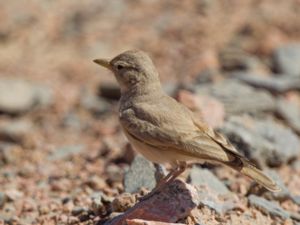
(63, 157)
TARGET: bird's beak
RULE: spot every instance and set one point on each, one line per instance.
(103, 62)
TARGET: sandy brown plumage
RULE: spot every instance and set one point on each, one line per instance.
(165, 131)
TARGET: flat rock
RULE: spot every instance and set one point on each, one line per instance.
(15, 130)
(290, 113)
(286, 59)
(238, 97)
(142, 173)
(274, 84)
(173, 203)
(65, 152)
(264, 142)
(18, 96)
(282, 195)
(268, 207)
(203, 177)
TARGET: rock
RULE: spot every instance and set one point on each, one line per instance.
(95, 104)
(18, 96)
(110, 91)
(210, 109)
(170, 88)
(173, 203)
(9, 153)
(286, 59)
(114, 173)
(15, 130)
(77, 210)
(147, 222)
(3, 199)
(13, 194)
(65, 152)
(268, 207)
(101, 203)
(290, 113)
(282, 195)
(221, 204)
(264, 142)
(123, 202)
(140, 174)
(203, 177)
(273, 84)
(236, 59)
(238, 97)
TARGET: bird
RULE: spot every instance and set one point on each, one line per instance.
(165, 131)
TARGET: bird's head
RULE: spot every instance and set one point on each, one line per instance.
(132, 69)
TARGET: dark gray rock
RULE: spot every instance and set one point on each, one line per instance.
(238, 97)
(273, 84)
(264, 142)
(141, 173)
(18, 96)
(290, 113)
(203, 177)
(110, 91)
(286, 59)
(65, 152)
(268, 207)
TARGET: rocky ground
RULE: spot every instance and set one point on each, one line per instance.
(63, 157)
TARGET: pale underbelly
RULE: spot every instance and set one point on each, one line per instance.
(158, 155)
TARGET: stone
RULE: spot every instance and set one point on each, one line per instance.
(233, 59)
(65, 152)
(268, 207)
(173, 203)
(274, 84)
(203, 177)
(238, 97)
(286, 59)
(110, 90)
(209, 109)
(140, 174)
(123, 202)
(147, 222)
(290, 113)
(3, 199)
(15, 130)
(95, 104)
(263, 141)
(77, 210)
(18, 96)
(282, 195)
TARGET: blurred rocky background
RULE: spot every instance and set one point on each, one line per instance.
(63, 157)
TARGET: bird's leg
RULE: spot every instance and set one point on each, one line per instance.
(181, 167)
(171, 176)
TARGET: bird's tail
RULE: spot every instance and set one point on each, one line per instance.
(254, 173)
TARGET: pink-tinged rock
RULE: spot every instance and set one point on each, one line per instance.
(148, 222)
(210, 109)
(173, 203)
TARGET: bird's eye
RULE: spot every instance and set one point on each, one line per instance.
(119, 67)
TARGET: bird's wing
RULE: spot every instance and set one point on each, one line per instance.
(185, 140)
